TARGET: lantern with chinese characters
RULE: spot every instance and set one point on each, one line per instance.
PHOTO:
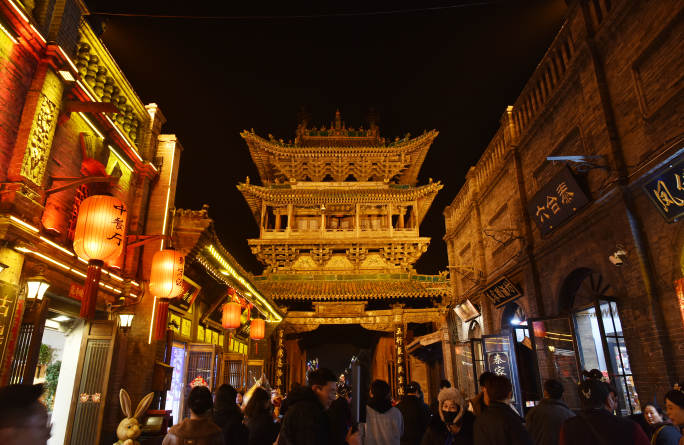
(257, 328)
(166, 282)
(166, 278)
(539, 329)
(231, 315)
(99, 237)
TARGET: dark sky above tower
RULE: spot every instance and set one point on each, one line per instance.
(453, 66)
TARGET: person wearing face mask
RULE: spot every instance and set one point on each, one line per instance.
(663, 431)
(595, 425)
(674, 401)
(454, 425)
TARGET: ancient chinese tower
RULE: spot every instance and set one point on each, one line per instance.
(339, 211)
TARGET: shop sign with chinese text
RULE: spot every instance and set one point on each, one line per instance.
(502, 292)
(666, 191)
(185, 300)
(401, 358)
(499, 364)
(556, 202)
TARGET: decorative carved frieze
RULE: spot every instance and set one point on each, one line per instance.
(40, 141)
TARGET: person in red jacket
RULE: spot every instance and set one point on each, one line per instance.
(596, 425)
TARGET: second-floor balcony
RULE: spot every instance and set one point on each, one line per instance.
(332, 233)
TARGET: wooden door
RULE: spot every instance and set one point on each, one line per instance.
(89, 396)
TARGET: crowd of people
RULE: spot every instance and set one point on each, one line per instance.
(320, 414)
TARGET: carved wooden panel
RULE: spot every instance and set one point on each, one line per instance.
(40, 141)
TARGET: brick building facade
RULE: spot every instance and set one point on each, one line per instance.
(608, 99)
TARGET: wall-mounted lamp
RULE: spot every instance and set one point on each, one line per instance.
(552, 348)
(125, 320)
(36, 287)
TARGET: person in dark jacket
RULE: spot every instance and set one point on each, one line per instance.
(500, 424)
(416, 415)
(285, 404)
(596, 424)
(544, 421)
(197, 429)
(340, 416)
(674, 401)
(262, 429)
(454, 425)
(663, 432)
(306, 422)
(477, 403)
(434, 405)
(228, 416)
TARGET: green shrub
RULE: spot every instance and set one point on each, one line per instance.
(51, 379)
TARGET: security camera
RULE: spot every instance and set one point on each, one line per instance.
(618, 258)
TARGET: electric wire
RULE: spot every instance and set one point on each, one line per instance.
(343, 14)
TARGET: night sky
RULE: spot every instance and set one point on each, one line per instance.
(451, 69)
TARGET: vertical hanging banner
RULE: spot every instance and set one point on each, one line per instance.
(401, 362)
(280, 361)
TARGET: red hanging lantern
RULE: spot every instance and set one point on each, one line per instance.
(166, 277)
(231, 315)
(539, 329)
(257, 328)
(99, 237)
(166, 282)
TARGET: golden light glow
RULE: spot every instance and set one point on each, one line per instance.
(8, 34)
(87, 91)
(152, 165)
(57, 246)
(47, 258)
(26, 225)
(78, 273)
(39, 34)
(154, 307)
(245, 283)
(90, 124)
(67, 58)
(18, 10)
(66, 75)
(119, 157)
(166, 216)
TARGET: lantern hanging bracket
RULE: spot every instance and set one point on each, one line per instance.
(75, 181)
(145, 239)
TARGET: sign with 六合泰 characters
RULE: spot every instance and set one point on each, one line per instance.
(557, 201)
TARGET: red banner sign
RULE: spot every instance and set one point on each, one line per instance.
(76, 292)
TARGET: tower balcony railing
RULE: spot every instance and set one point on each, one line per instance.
(382, 231)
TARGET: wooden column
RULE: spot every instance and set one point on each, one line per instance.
(358, 219)
(389, 220)
(289, 220)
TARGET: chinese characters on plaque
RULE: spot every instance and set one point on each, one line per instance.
(190, 292)
(499, 364)
(666, 191)
(280, 361)
(401, 358)
(502, 292)
(556, 202)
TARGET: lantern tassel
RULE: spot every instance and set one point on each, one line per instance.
(161, 324)
(92, 283)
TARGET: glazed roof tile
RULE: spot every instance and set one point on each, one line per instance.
(263, 151)
(255, 195)
(354, 290)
